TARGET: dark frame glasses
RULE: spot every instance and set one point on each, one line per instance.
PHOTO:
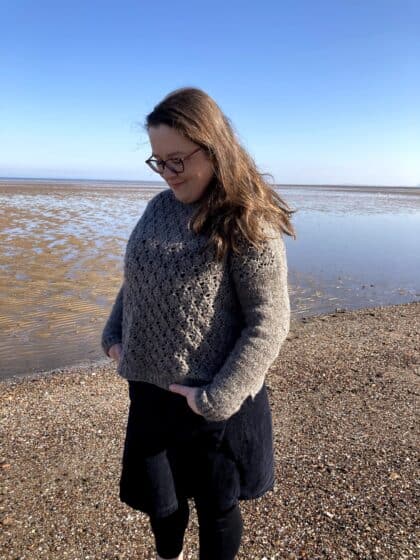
(176, 165)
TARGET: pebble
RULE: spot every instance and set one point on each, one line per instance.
(346, 452)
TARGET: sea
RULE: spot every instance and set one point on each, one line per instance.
(62, 245)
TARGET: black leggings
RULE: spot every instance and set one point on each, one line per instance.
(220, 532)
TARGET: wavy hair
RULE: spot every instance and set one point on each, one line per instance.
(238, 200)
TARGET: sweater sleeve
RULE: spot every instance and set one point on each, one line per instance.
(260, 280)
(112, 332)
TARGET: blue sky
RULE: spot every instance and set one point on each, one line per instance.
(318, 91)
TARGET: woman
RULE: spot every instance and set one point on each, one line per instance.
(200, 317)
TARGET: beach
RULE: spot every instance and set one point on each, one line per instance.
(344, 398)
(62, 246)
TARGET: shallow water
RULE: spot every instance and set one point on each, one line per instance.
(62, 248)
(359, 252)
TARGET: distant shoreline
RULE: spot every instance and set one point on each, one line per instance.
(152, 185)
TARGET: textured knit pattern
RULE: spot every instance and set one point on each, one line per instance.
(182, 317)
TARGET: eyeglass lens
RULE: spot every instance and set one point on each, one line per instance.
(174, 165)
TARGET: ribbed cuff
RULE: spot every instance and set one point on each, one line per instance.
(108, 341)
(205, 407)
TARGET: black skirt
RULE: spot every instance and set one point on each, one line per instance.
(170, 452)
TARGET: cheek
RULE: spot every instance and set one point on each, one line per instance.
(204, 179)
(206, 174)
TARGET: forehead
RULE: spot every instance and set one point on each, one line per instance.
(166, 141)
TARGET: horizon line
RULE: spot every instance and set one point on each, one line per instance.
(158, 183)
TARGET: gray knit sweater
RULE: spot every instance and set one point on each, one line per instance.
(182, 317)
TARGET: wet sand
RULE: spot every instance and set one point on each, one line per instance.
(153, 185)
(62, 246)
(42, 185)
(344, 397)
(58, 276)
(415, 191)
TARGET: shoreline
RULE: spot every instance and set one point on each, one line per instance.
(89, 365)
(60, 279)
(153, 187)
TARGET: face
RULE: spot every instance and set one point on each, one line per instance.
(190, 185)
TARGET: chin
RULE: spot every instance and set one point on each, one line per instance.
(178, 195)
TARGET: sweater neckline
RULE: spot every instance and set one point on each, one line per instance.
(187, 205)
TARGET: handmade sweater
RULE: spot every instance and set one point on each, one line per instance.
(184, 317)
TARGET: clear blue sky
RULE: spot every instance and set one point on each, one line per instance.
(319, 91)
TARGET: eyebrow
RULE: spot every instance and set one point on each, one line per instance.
(170, 155)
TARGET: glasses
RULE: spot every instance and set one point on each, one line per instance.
(176, 165)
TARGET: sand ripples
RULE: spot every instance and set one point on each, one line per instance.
(61, 256)
(61, 262)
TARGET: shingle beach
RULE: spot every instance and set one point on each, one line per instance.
(344, 396)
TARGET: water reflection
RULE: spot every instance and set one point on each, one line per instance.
(353, 249)
(341, 201)
(62, 253)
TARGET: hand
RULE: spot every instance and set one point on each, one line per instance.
(188, 392)
(115, 352)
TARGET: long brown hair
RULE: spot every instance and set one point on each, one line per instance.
(238, 199)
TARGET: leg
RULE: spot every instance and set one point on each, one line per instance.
(169, 532)
(220, 532)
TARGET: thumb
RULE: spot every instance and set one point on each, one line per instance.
(180, 389)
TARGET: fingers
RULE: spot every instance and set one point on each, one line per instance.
(115, 352)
